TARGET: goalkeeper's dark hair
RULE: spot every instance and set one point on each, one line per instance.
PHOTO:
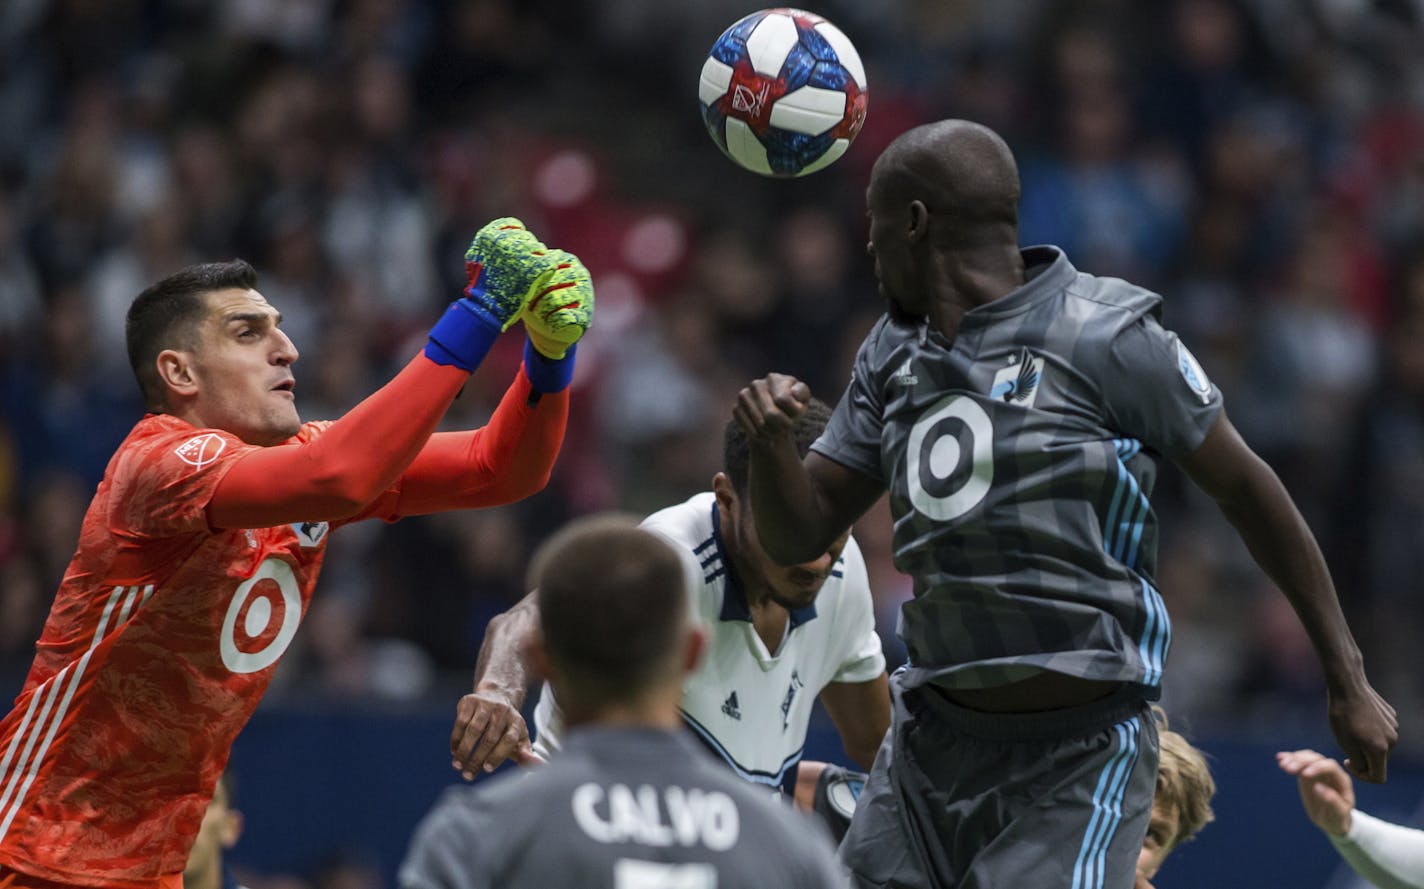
(612, 606)
(736, 450)
(167, 314)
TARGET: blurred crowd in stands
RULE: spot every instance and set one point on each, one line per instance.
(1258, 162)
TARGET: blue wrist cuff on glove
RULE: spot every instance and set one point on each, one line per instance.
(548, 375)
(462, 336)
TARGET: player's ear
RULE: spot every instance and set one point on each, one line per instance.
(175, 369)
(723, 490)
(694, 646)
(919, 222)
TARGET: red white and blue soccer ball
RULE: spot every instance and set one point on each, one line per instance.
(783, 92)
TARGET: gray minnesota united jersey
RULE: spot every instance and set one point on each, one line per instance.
(1019, 461)
(619, 808)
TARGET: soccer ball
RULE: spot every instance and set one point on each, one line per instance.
(783, 92)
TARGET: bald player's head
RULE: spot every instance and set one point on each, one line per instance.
(962, 172)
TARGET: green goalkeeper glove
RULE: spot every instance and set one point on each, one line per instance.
(505, 267)
(561, 310)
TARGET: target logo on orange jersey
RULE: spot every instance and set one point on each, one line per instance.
(261, 619)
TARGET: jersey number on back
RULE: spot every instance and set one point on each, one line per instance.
(633, 873)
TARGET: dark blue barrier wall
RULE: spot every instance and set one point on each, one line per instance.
(312, 782)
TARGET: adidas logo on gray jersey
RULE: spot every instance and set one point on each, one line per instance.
(905, 376)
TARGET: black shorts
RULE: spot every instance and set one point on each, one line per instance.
(959, 799)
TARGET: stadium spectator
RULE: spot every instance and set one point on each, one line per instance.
(1012, 406)
(1389, 856)
(779, 638)
(631, 800)
(202, 546)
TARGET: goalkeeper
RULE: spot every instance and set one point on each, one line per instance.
(201, 548)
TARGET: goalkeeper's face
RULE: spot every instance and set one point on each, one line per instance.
(241, 369)
(790, 586)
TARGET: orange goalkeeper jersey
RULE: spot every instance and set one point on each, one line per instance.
(165, 630)
(161, 641)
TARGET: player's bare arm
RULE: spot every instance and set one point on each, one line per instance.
(1257, 504)
(861, 713)
(801, 507)
(488, 725)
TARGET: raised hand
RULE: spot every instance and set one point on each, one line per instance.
(1366, 727)
(1325, 789)
(768, 408)
(559, 314)
(505, 267)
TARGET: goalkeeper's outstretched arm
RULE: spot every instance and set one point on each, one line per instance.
(336, 474)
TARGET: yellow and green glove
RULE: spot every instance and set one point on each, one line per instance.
(505, 267)
(561, 311)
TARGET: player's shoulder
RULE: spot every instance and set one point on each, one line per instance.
(470, 809)
(160, 440)
(688, 524)
(887, 337)
(1110, 304)
(848, 582)
(466, 820)
(688, 527)
(883, 353)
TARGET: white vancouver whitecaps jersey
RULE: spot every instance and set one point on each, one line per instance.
(752, 707)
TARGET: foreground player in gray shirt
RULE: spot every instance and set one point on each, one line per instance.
(631, 802)
(1015, 408)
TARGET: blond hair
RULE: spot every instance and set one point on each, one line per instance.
(1184, 781)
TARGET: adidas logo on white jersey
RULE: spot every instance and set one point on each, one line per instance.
(731, 708)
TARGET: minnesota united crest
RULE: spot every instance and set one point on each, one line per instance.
(1018, 383)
